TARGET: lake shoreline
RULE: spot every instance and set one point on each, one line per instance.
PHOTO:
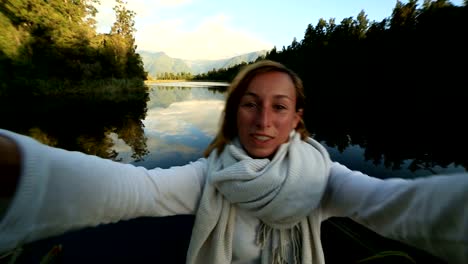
(176, 81)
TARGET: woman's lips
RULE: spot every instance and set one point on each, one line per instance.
(261, 137)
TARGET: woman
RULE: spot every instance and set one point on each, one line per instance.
(259, 195)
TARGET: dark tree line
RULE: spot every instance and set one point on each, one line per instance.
(174, 76)
(55, 42)
(396, 87)
(223, 74)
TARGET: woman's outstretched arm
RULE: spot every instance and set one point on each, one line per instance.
(430, 213)
(59, 191)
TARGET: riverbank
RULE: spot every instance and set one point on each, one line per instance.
(109, 89)
(165, 81)
(177, 81)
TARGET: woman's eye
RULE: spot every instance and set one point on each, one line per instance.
(249, 105)
(280, 107)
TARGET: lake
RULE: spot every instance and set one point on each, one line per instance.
(182, 118)
(174, 122)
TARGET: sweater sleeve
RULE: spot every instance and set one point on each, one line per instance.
(61, 190)
(430, 213)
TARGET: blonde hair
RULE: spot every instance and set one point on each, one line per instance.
(237, 88)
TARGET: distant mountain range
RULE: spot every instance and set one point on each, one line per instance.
(159, 62)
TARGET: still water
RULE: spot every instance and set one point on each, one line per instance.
(172, 123)
(182, 118)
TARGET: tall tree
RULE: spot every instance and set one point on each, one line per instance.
(404, 15)
(124, 24)
(362, 24)
(123, 46)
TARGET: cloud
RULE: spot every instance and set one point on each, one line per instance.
(143, 10)
(211, 38)
(180, 117)
(188, 121)
(105, 16)
(158, 147)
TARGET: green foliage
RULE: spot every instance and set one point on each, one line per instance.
(11, 36)
(124, 24)
(56, 41)
(174, 76)
(223, 74)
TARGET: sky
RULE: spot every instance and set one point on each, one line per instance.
(217, 29)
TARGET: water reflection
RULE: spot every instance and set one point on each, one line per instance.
(80, 123)
(172, 123)
(354, 157)
(181, 120)
(396, 149)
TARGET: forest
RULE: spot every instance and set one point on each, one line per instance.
(52, 48)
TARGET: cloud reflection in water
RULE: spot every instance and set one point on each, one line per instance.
(176, 134)
(180, 118)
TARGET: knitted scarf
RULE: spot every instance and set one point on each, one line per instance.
(282, 193)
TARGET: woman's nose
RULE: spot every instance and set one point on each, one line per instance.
(264, 117)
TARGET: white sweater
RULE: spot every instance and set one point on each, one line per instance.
(60, 191)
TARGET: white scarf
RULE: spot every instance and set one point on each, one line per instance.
(282, 193)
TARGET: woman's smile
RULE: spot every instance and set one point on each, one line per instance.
(267, 114)
(262, 138)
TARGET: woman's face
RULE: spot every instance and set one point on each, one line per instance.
(267, 114)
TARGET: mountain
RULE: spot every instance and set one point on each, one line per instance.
(159, 62)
